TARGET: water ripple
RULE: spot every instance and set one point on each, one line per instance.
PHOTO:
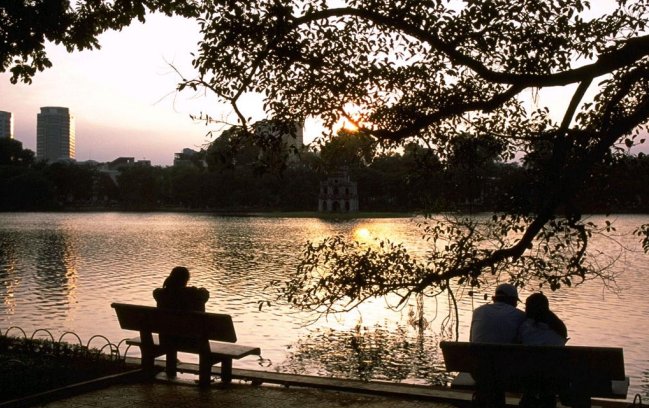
(62, 271)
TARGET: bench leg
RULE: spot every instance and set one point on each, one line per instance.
(148, 360)
(204, 371)
(489, 393)
(226, 370)
(171, 365)
(488, 399)
(579, 394)
(578, 400)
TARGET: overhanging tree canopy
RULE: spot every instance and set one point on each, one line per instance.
(437, 71)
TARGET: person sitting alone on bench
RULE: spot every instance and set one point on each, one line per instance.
(175, 294)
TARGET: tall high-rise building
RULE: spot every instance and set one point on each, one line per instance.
(6, 125)
(55, 138)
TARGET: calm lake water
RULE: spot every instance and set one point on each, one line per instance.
(61, 272)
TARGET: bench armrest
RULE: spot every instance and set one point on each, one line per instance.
(620, 387)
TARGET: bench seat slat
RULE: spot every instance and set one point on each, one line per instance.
(217, 348)
(233, 350)
(619, 388)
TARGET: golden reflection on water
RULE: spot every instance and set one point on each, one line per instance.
(56, 268)
(362, 234)
(9, 283)
(373, 231)
(10, 279)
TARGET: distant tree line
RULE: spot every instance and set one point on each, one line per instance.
(234, 174)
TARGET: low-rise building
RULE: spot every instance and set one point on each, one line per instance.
(338, 193)
(190, 157)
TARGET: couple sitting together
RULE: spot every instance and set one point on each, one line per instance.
(502, 322)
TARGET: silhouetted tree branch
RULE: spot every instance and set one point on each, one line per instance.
(423, 70)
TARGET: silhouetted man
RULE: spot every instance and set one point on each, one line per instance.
(496, 322)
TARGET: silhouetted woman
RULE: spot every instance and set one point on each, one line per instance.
(175, 294)
(542, 327)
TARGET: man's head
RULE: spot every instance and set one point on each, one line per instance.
(506, 293)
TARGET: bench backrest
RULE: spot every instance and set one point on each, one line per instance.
(186, 324)
(594, 367)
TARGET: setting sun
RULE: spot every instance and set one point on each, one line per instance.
(350, 119)
(348, 125)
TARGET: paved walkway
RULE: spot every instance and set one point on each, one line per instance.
(161, 395)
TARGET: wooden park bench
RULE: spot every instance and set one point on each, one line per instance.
(166, 332)
(581, 372)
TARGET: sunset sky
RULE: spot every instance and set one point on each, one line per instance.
(123, 95)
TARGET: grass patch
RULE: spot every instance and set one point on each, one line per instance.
(32, 366)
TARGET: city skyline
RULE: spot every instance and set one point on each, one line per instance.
(123, 95)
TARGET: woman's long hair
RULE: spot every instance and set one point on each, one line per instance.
(537, 308)
(178, 278)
